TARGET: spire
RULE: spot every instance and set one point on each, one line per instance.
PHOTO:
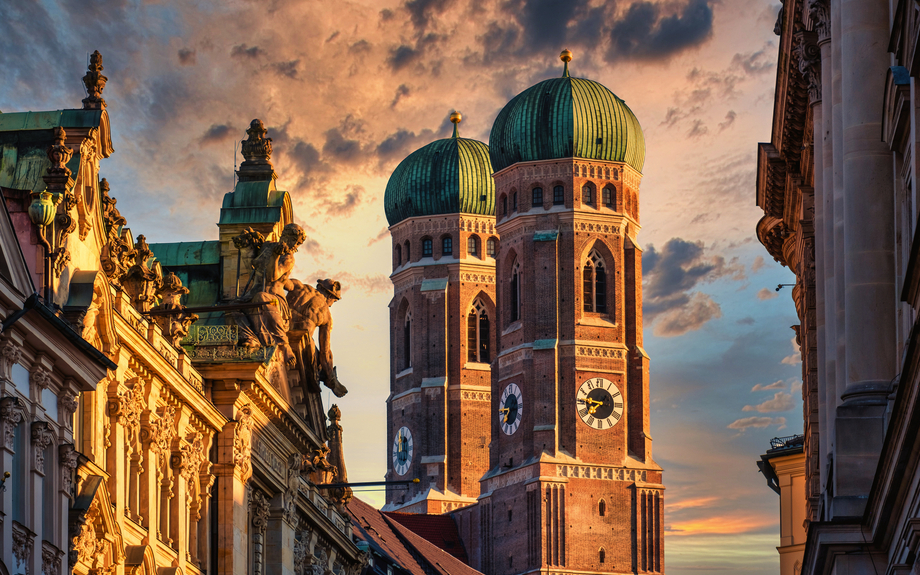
(456, 118)
(566, 57)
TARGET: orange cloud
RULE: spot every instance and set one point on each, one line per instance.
(722, 525)
(689, 503)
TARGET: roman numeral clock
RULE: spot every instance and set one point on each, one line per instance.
(599, 403)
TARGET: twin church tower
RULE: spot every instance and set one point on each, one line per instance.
(519, 385)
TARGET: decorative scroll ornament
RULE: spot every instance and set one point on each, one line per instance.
(127, 408)
(160, 431)
(11, 413)
(176, 325)
(808, 58)
(95, 83)
(141, 280)
(40, 379)
(110, 214)
(260, 507)
(42, 437)
(11, 354)
(820, 13)
(69, 457)
(242, 441)
(193, 455)
(69, 402)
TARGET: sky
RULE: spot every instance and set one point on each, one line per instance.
(347, 89)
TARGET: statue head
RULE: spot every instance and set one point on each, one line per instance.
(331, 289)
(293, 235)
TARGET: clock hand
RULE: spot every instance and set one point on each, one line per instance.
(505, 411)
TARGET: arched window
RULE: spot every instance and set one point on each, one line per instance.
(601, 508)
(616, 174)
(477, 334)
(608, 198)
(398, 255)
(595, 284)
(407, 341)
(514, 202)
(447, 246)
(601, 555)
(587, 197)
(472, 246)
(491, 247)
(515, 291)
(504, 203)
(426, 248)
(408, 252)
(558, 196)
(537, 198)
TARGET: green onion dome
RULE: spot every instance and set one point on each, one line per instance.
(564, 118)
(447, 176)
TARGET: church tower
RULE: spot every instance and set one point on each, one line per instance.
(571, 481)
(440, 204)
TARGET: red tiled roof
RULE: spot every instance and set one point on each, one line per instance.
(439, 530)
(389, 538)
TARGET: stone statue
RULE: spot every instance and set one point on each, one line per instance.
(310, 311)
(271, 275)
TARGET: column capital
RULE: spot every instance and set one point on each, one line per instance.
(807, 56)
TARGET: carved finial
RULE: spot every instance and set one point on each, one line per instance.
(95, 83)
(456, 117)
(59, 154)
(566, 56)
(257, 151)
(335, 414)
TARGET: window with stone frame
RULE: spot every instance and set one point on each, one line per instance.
(536, 200)
(491, 247)
(608, 197)
(427, 249)
(595, 283)
(477, 333)
(472, 246)
(515, 291)
(558, 196)
(587, 195)
(406, 359)
(447, 246)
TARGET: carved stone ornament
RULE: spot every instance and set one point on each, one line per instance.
(60, 155)
(95, 83)
(68, 402)
(260, 508)
(110, 214)
(42, 438)
(250, 238)
(300, 554)
(161, 430)
(141, 280)
(174, 326)
(11, 354)
(23, 542)
(242, 441)
(85, 543)
(340, 495)
(126, 408)
(820, 13)
(68, 457)
(193, 455)
(11, 413)
(808, 58)
(51, 559)
(257, 151)
(40, 378)
(323, 471)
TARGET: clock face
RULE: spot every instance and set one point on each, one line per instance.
(402, 451)
(510, 409)
(599, 403)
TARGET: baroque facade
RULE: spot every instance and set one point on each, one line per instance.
(524, 408)
(837, 183)
(159, 422)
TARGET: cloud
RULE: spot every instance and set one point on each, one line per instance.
(691, 503)
(754, 63)
(766, 293)
(698, 130)
(746, 320)
(757, 422)
(759, 264)
(345, 204)
(670, 302)
(401, 92)
(796, 357)
(720, 524)
(646, 32)
(217, 133)
(383, 234)
(700, 309)
(246, 52)
(367, 284)
(781, 401)
(778, 384)
(187, 57)
(289, 69)
(729, 120)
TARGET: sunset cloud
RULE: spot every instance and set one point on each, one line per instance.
(781, 401)
(766, 293)
(778, 384)
(727, 525)
(746, 423)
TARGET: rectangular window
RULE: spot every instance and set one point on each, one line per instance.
(447, 247)
(608, 197)
(537, 200)
(490, 247)
(472, 246)
(558, 196)
(586, 195)
(426, 248)
(514, 202)
(504, 206)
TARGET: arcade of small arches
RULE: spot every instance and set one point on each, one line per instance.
(611, 197)
(402, 253)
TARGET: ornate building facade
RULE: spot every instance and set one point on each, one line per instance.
(569, 483)
(160, 410)
(837, 183)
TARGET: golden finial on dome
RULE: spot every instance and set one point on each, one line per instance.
(456, 117)
(566, 56)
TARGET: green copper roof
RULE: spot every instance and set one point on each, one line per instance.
(447, 176)
(254, 202)
(565, 118)
(24, 121)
